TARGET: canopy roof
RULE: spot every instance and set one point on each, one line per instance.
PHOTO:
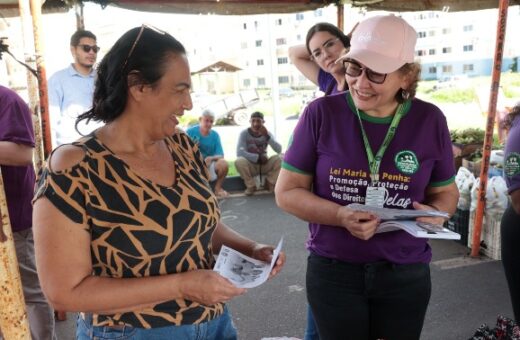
(243, 7)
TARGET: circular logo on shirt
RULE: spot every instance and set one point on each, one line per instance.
(512, 164)
(406, 162)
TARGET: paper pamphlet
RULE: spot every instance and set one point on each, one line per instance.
(418, 229)
(404, 219)
(242, 270)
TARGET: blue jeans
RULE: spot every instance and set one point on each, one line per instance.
(367, 301)
(311, 332)
(221, 328)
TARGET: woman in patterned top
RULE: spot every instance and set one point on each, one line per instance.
(126, 223)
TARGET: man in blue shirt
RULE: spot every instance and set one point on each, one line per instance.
(71, 90)
(211, 149)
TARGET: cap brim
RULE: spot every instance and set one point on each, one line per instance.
(374, 61)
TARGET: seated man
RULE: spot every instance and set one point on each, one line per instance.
(252, 157)
(211, 149)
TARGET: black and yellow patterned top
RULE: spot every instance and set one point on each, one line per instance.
(139, 228)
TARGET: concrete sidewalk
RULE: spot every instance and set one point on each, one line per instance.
(466, 292)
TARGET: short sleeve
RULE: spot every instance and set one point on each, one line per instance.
(301, 155)
(443, 172)
(65, 190)
(16, 116)
(218, 147)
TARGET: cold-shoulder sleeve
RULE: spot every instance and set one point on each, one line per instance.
(66, 190)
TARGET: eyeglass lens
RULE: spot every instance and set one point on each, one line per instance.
(353, 69)
(88, 48)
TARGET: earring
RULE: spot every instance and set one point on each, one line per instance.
(405, 94)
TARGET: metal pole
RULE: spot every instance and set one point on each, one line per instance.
(36, 12)
(13, 317)
(488, 139)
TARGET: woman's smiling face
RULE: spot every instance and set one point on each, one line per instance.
(377, 100)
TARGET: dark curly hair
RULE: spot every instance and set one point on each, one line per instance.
(326, 27)
(123, 67)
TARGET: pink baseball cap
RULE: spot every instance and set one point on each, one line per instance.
(383, 43)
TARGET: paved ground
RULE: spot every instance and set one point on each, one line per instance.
(466, 292)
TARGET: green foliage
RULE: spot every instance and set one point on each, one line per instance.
(453, 95)
(467, 136)
(232, 170)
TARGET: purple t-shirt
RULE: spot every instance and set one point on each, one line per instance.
(512, 157)
(325, 81)
(16, 126)
(328, 144)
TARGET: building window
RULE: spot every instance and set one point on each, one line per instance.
(431, 51)
(432, 69)
(446, 50)
(260, 62)
(256, 24)
(318, 12)
(421, 53)
(421, 35)
(468, 48)
(467, 68)
(260, 82)
(299, 16)
(431, 33)
(281, 41)
(247, 82)
(283, 60)
(446, 30)
(283, 79)
(243, 45)
(278, 22)
(245, 26)
(258, 43)
(467, 28)
(447, 69)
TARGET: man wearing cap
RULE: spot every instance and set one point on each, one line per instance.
(210, 147)
(379, 146)
(71, 90)
(252, 159)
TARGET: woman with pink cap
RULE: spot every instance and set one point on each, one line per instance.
(377, 145)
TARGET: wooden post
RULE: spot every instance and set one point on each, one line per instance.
(488, 139)
(13, 317)
(341, 16)
(36, 13)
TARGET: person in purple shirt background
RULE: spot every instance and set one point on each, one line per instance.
(16, 154)
(316, 60)
(378, 145)
(510, 224)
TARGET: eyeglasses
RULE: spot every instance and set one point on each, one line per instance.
(137, 38)
(327, 46)
(354, 69)
(88, 48)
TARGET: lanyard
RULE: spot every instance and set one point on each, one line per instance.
(374, 162)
